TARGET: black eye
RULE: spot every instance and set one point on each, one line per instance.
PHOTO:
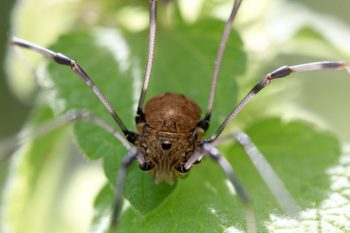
(166, 145)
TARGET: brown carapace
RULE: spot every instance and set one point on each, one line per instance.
(169, 135)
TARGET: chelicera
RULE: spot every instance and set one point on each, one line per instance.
(170, 136)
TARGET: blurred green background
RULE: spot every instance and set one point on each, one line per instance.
(13, 112)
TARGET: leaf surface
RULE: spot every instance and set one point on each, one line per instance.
(115, 63)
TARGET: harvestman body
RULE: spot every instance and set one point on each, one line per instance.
(169, 135)
(170, 131)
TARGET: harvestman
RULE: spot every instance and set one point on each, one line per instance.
(170, 132)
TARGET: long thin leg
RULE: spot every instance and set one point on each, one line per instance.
(223, 42)
(274, 183)
(152, 36)
(10, 144)
(282, 72)
(207, 148)
(64, 60)
(118, 200)
(226, 167)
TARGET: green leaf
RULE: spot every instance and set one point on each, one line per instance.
(203, 200)
(299, 154)
(184, 64)
(115, 64)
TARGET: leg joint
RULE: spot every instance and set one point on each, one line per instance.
(130, 136)
(62, 59)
